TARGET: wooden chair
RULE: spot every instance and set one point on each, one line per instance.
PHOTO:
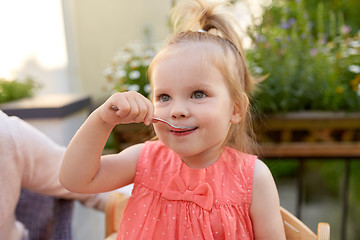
(114, 207)
(294, 228)
(297, 230)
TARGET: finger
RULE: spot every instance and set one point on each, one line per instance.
(124, 108)
(133, 108)
(143, 110)
(114, 108)
(114, 102)
(147, 111)
(145, 106)
(150, 113)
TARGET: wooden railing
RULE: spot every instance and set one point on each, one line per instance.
(312, 135)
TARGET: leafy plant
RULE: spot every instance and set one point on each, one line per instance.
(128, 70)
(310, 65)
(306, 71)
(15, 89)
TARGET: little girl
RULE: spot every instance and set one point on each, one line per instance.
(200, 182)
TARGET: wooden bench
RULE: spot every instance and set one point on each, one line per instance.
(311, 135)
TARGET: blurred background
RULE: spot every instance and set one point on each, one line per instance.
(308, 49)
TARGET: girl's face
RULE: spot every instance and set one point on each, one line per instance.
(190, 91)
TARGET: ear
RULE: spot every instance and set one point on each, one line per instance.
(236, 115)
(239, 109)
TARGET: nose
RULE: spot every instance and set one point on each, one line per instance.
(179, 110)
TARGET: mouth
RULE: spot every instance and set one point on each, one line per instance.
(182, 132)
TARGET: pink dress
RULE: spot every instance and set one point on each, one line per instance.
(172, 201)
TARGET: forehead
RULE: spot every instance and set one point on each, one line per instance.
(188, 54)
(205, 49)
(205, 52)
(186, 66)
(174, 61)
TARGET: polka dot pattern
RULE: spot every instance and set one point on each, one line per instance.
(149, 215)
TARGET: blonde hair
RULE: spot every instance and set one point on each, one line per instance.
(217, 27)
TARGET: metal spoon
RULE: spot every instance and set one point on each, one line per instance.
(162, 120)
(171, 125)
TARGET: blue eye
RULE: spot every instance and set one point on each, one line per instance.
(164, 98)
(199, 94)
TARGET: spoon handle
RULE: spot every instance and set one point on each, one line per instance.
(159, 120)
(171, 125)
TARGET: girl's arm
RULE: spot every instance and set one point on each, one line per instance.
(84, 169)
(265, 205)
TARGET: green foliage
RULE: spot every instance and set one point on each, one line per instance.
(350, 10)
(128, 70)
(15, 89)
(306, 70)
(282, 169)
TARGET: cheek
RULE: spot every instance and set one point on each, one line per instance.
(160, 131)
(215, 121)
(157, 128)
(160, 109)
(220, 111)
(219, 121)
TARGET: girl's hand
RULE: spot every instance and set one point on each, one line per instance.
(131, 107)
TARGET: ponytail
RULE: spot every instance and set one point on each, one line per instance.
(212, 17)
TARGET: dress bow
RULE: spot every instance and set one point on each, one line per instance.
(202, 195)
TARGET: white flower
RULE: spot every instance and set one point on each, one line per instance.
(135, 63)
(120, 73)
(147, 88)
(133, 87)
(258, 70)
(147, 62)
(353, 51)
(107, 71)
(355, 44)
(134, 75)
(354, 68)
(122, 57)
(126, 63)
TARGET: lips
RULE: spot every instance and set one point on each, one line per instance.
(183, 132)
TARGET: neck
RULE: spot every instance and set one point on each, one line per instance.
(204, 159)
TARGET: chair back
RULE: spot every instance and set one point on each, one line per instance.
(114, 207)
(297, 230)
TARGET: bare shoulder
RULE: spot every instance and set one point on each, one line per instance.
(261, 172)
(263, 182)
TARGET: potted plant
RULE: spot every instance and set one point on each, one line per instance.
(312, 89)
(305, 70)
(309, 103)
(128, 71)
(15, 89)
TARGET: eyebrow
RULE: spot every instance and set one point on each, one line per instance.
(162, 89)
(193, 85)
